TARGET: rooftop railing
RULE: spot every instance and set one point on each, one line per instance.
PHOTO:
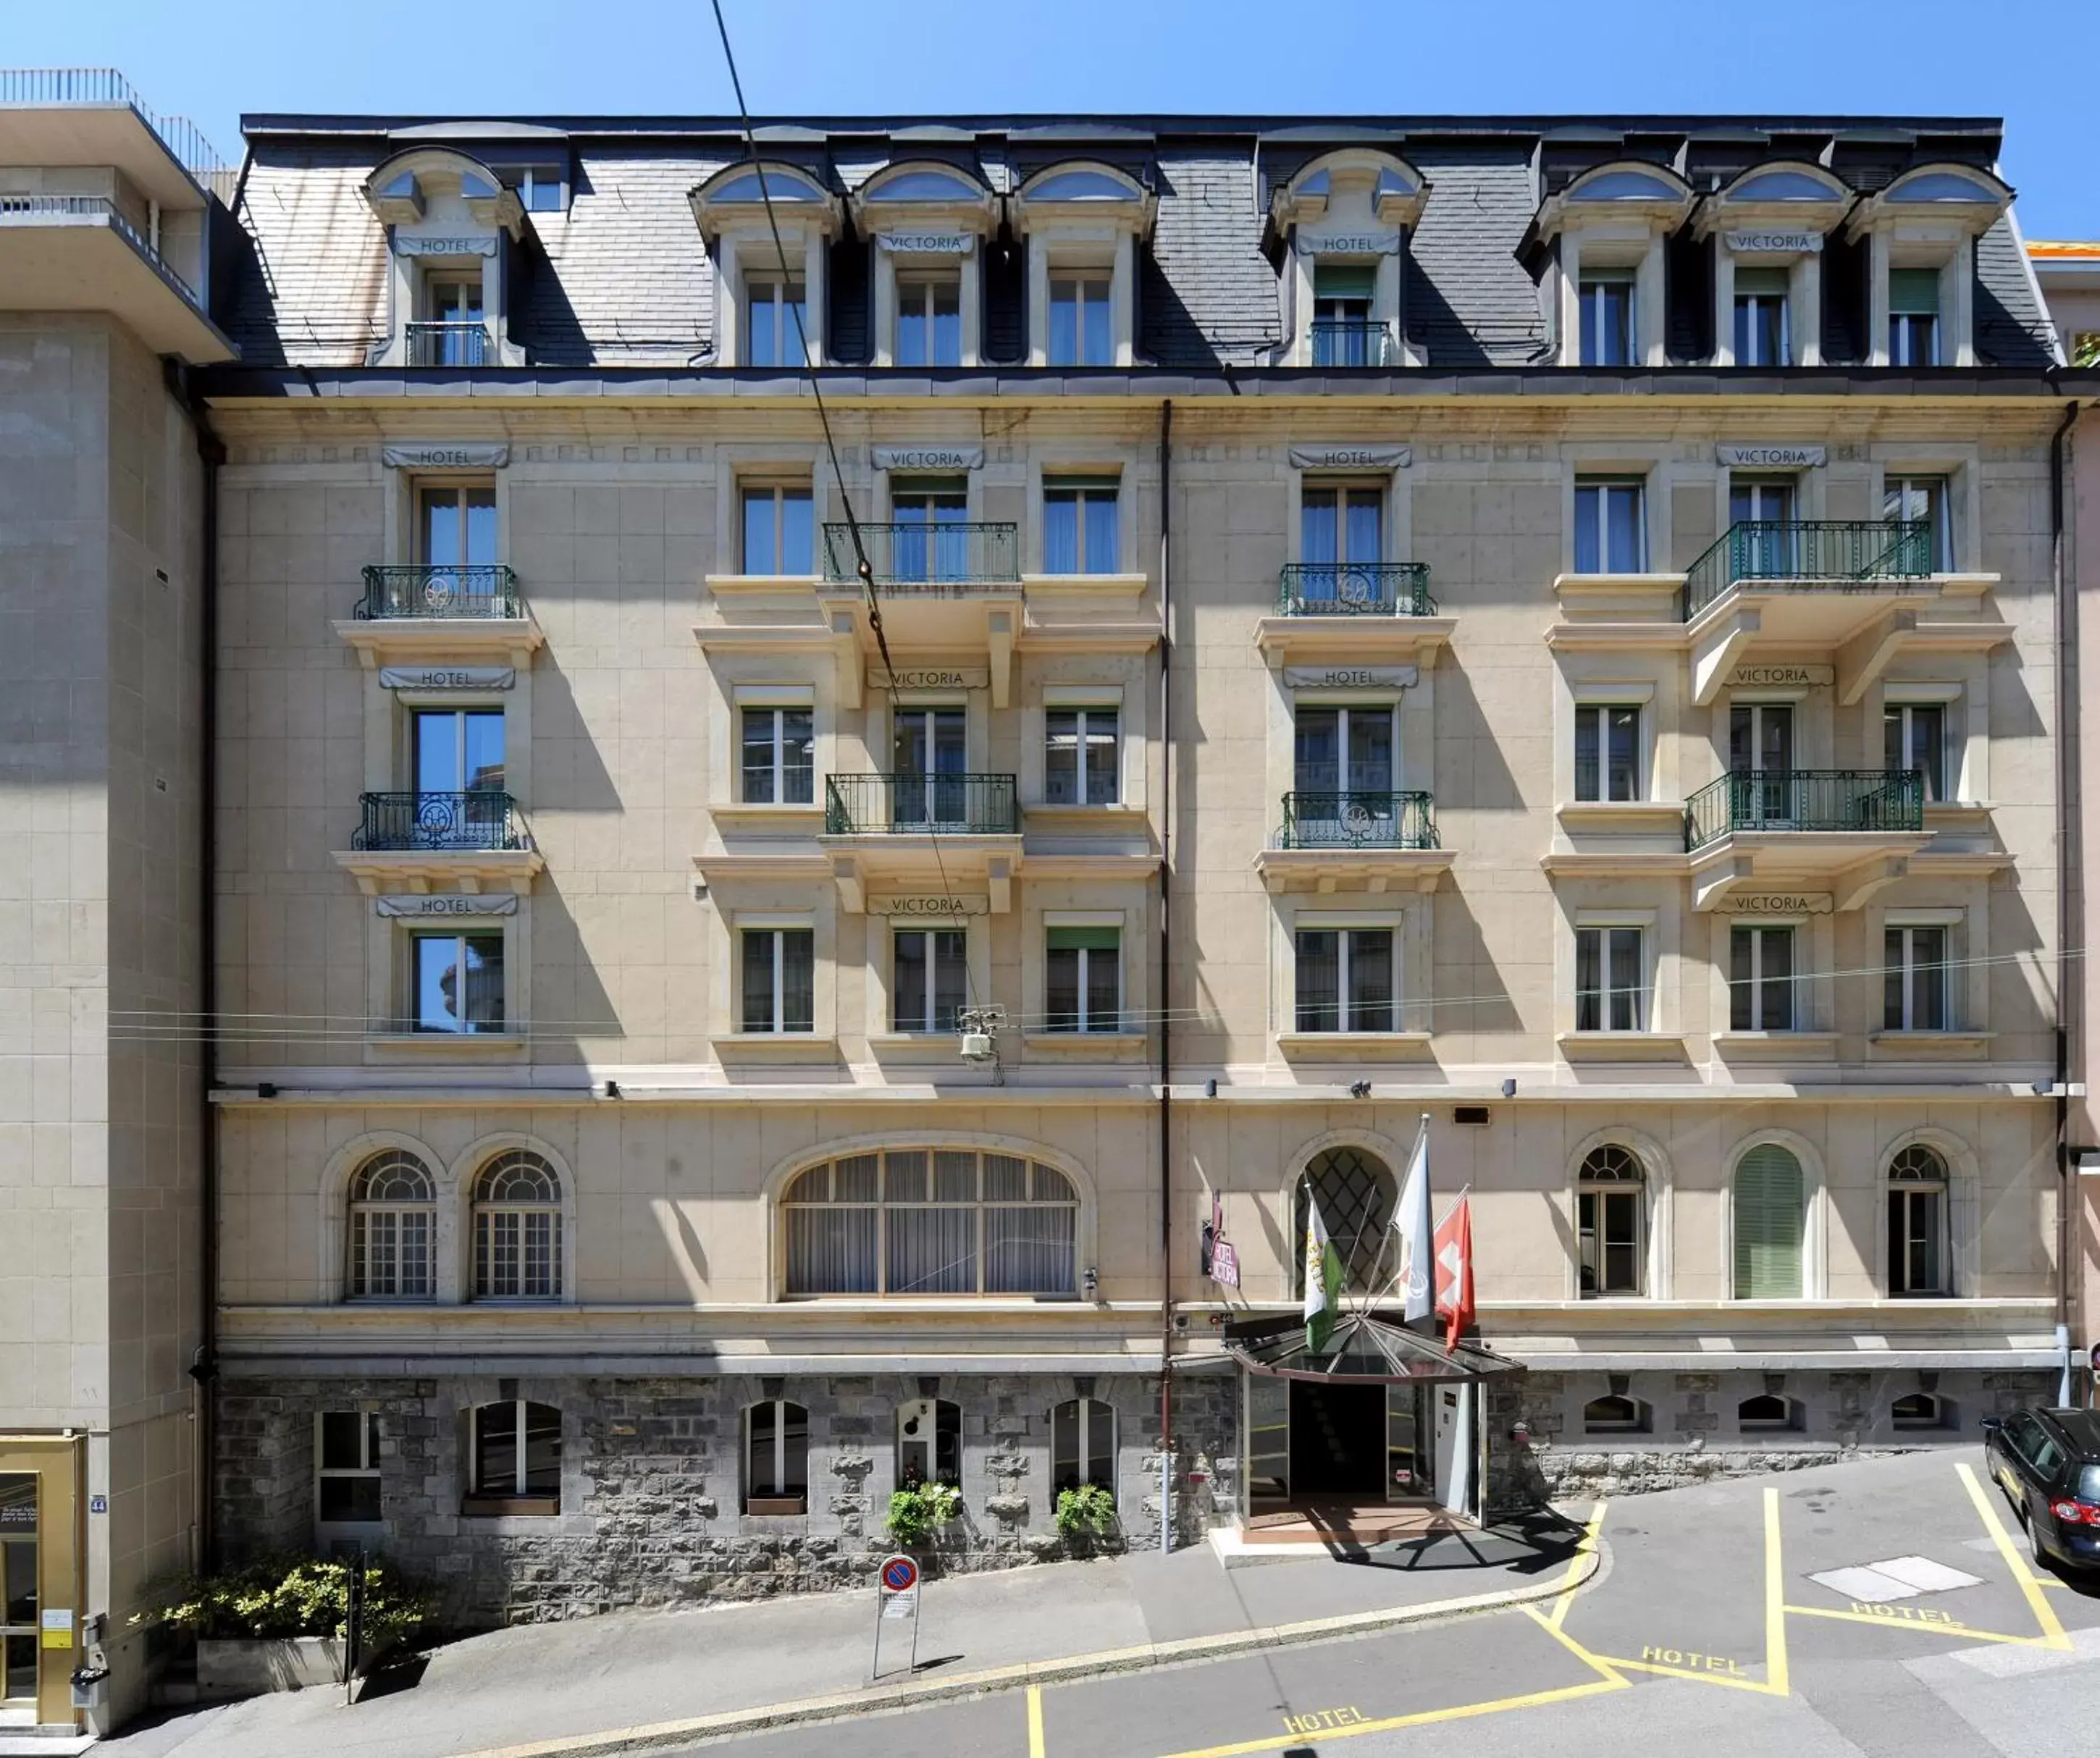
(1839, 551)
(1354, 819)
(479, 820)
(1827, 800)
(450, 344)
(37, 87)
(1354, 589)
(914, 804)
(1353, 342)
(916, 558)
(470, 589)
(43, 209)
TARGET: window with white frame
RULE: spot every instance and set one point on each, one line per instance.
(457, 983)
(929, 318)
(930, 978)
(1080, 332)
(1607, 750)
(911, 1221)
(1608, 317)
(1080, 521)
(1913, 317)
(1345, 775)
(346, 1469)
(1922, 500)
(1917, 1184)
(778, 527)
(779, 756)
(452, 330)
(1344, 332)
(1082, 1445)
(1610, 1199)
(1082, 756)
(776, 1457)
(456, 524)
(1341, 532)
(393, 1222)
(1347, 979)
(541, 188)
(514, 1454)
(1610, 980)
(1762, 334)
(1914, 737)
(518, 1229)
(1914, 977)
(1083, 979)
(1761, 982)
(1611, 525)
(775, 320)
(780, 980)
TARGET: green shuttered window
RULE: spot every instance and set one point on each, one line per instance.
(1769, 1219)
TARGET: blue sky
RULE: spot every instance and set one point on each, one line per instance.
(2017, 59)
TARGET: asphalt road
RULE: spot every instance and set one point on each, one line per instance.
(1709, 1633)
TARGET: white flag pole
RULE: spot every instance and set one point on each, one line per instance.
(1418, 1232)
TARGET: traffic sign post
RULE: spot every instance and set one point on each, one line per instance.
(895, 1596)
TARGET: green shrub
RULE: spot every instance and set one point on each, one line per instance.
(918, 1508)
(1085, 1511)
(295, 1596)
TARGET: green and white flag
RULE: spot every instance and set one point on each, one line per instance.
(1323, 1279)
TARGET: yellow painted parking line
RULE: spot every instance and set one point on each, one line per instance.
(2045, 1617)
(1572, 1578)
(1036, 1747)
(1421, 1718)
(1934, 1628)
(1776, 1675)
(1758, 1685)
(1604, 1669)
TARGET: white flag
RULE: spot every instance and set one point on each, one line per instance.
(1417, 1234)
(1316, 1256)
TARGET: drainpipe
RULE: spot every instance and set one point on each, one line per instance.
(1165, 972)
(2069, 912)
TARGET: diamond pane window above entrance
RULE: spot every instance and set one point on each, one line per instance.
(1355, 1193)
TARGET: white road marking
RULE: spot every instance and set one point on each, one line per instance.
(1894, 1577)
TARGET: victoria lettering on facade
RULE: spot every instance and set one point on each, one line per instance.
(1771, 457)
(1775, 244)
(1780, 903)
(929, 906)
(927, 243)
(928, 457)
(954, 677)
(1781, 676)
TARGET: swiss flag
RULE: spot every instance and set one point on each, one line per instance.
(1454, 1269)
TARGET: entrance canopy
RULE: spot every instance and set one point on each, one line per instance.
(1363, 1346)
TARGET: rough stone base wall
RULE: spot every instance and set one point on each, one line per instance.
(651, 1483)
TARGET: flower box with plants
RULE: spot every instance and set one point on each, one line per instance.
(1085, 1517)
(281, 1625)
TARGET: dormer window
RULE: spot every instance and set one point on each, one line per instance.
(770, 267)
(776, 318)
(1081, 320)
(1766, 230)
(1082, 223)
(1913, 317)
(1762, 338)
(929, 223)
(1598, 244)
(453, 332)
(450, 221)
(1921, 234)
(1346, 216)
(541, 188)
(1607, 318)
(929, 319)
(1342, 327)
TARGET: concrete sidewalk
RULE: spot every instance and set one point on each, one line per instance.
(604, 1683)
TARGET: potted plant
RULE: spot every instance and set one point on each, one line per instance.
(281, 1625)
(918, 1510)
(1085, 1513)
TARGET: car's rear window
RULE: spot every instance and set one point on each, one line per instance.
(2088, 1483)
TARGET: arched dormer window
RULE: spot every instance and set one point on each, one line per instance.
(928, 223)
(517, 1228)
(449, 219)
(1921, 234)
(769, 297)
(1766, 230)
(1607, 228)
(1082, 222)
(393, 1227)
(1346, 216)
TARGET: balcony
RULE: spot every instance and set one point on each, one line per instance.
(1845, 831)
(450, 344)
(1329, 840)
(1354, 589)
(936, 559)
(475, 589)
(1347, 341)
(1837, 553)
(477, 820)
(956, 836)
(440, 619)
(68, 252)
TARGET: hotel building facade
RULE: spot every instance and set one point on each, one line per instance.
(747, 960)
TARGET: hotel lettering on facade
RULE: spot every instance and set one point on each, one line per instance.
(1656, 791)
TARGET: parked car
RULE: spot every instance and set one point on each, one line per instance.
(2048, 1463)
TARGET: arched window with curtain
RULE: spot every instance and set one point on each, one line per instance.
(1355, 1192)
(1610, 1194)
(776, 1457)
(910, 1221)
(518, 1229)
(1082, 1445)
(393, 1221)
(1770, 1223)
(1917, 1221)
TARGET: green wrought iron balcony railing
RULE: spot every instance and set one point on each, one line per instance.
(911, 804)
(1354, 589)
(1839, 551)
(1829, 800)
(467, 589)
(1354, 342)
(1357, 820)
(913, 557)
(477, 821)
(450, 345)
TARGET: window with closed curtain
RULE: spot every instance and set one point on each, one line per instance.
(1770, 1223)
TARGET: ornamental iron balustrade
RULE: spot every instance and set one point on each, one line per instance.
(479, 819)
(34, 210)
(1353, 342)
(450, 344)
(942, 557)
(1354, 589)
(1825, 800)
(1842, 552)
(1357, 821)
(954, 805)
(472, 589)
